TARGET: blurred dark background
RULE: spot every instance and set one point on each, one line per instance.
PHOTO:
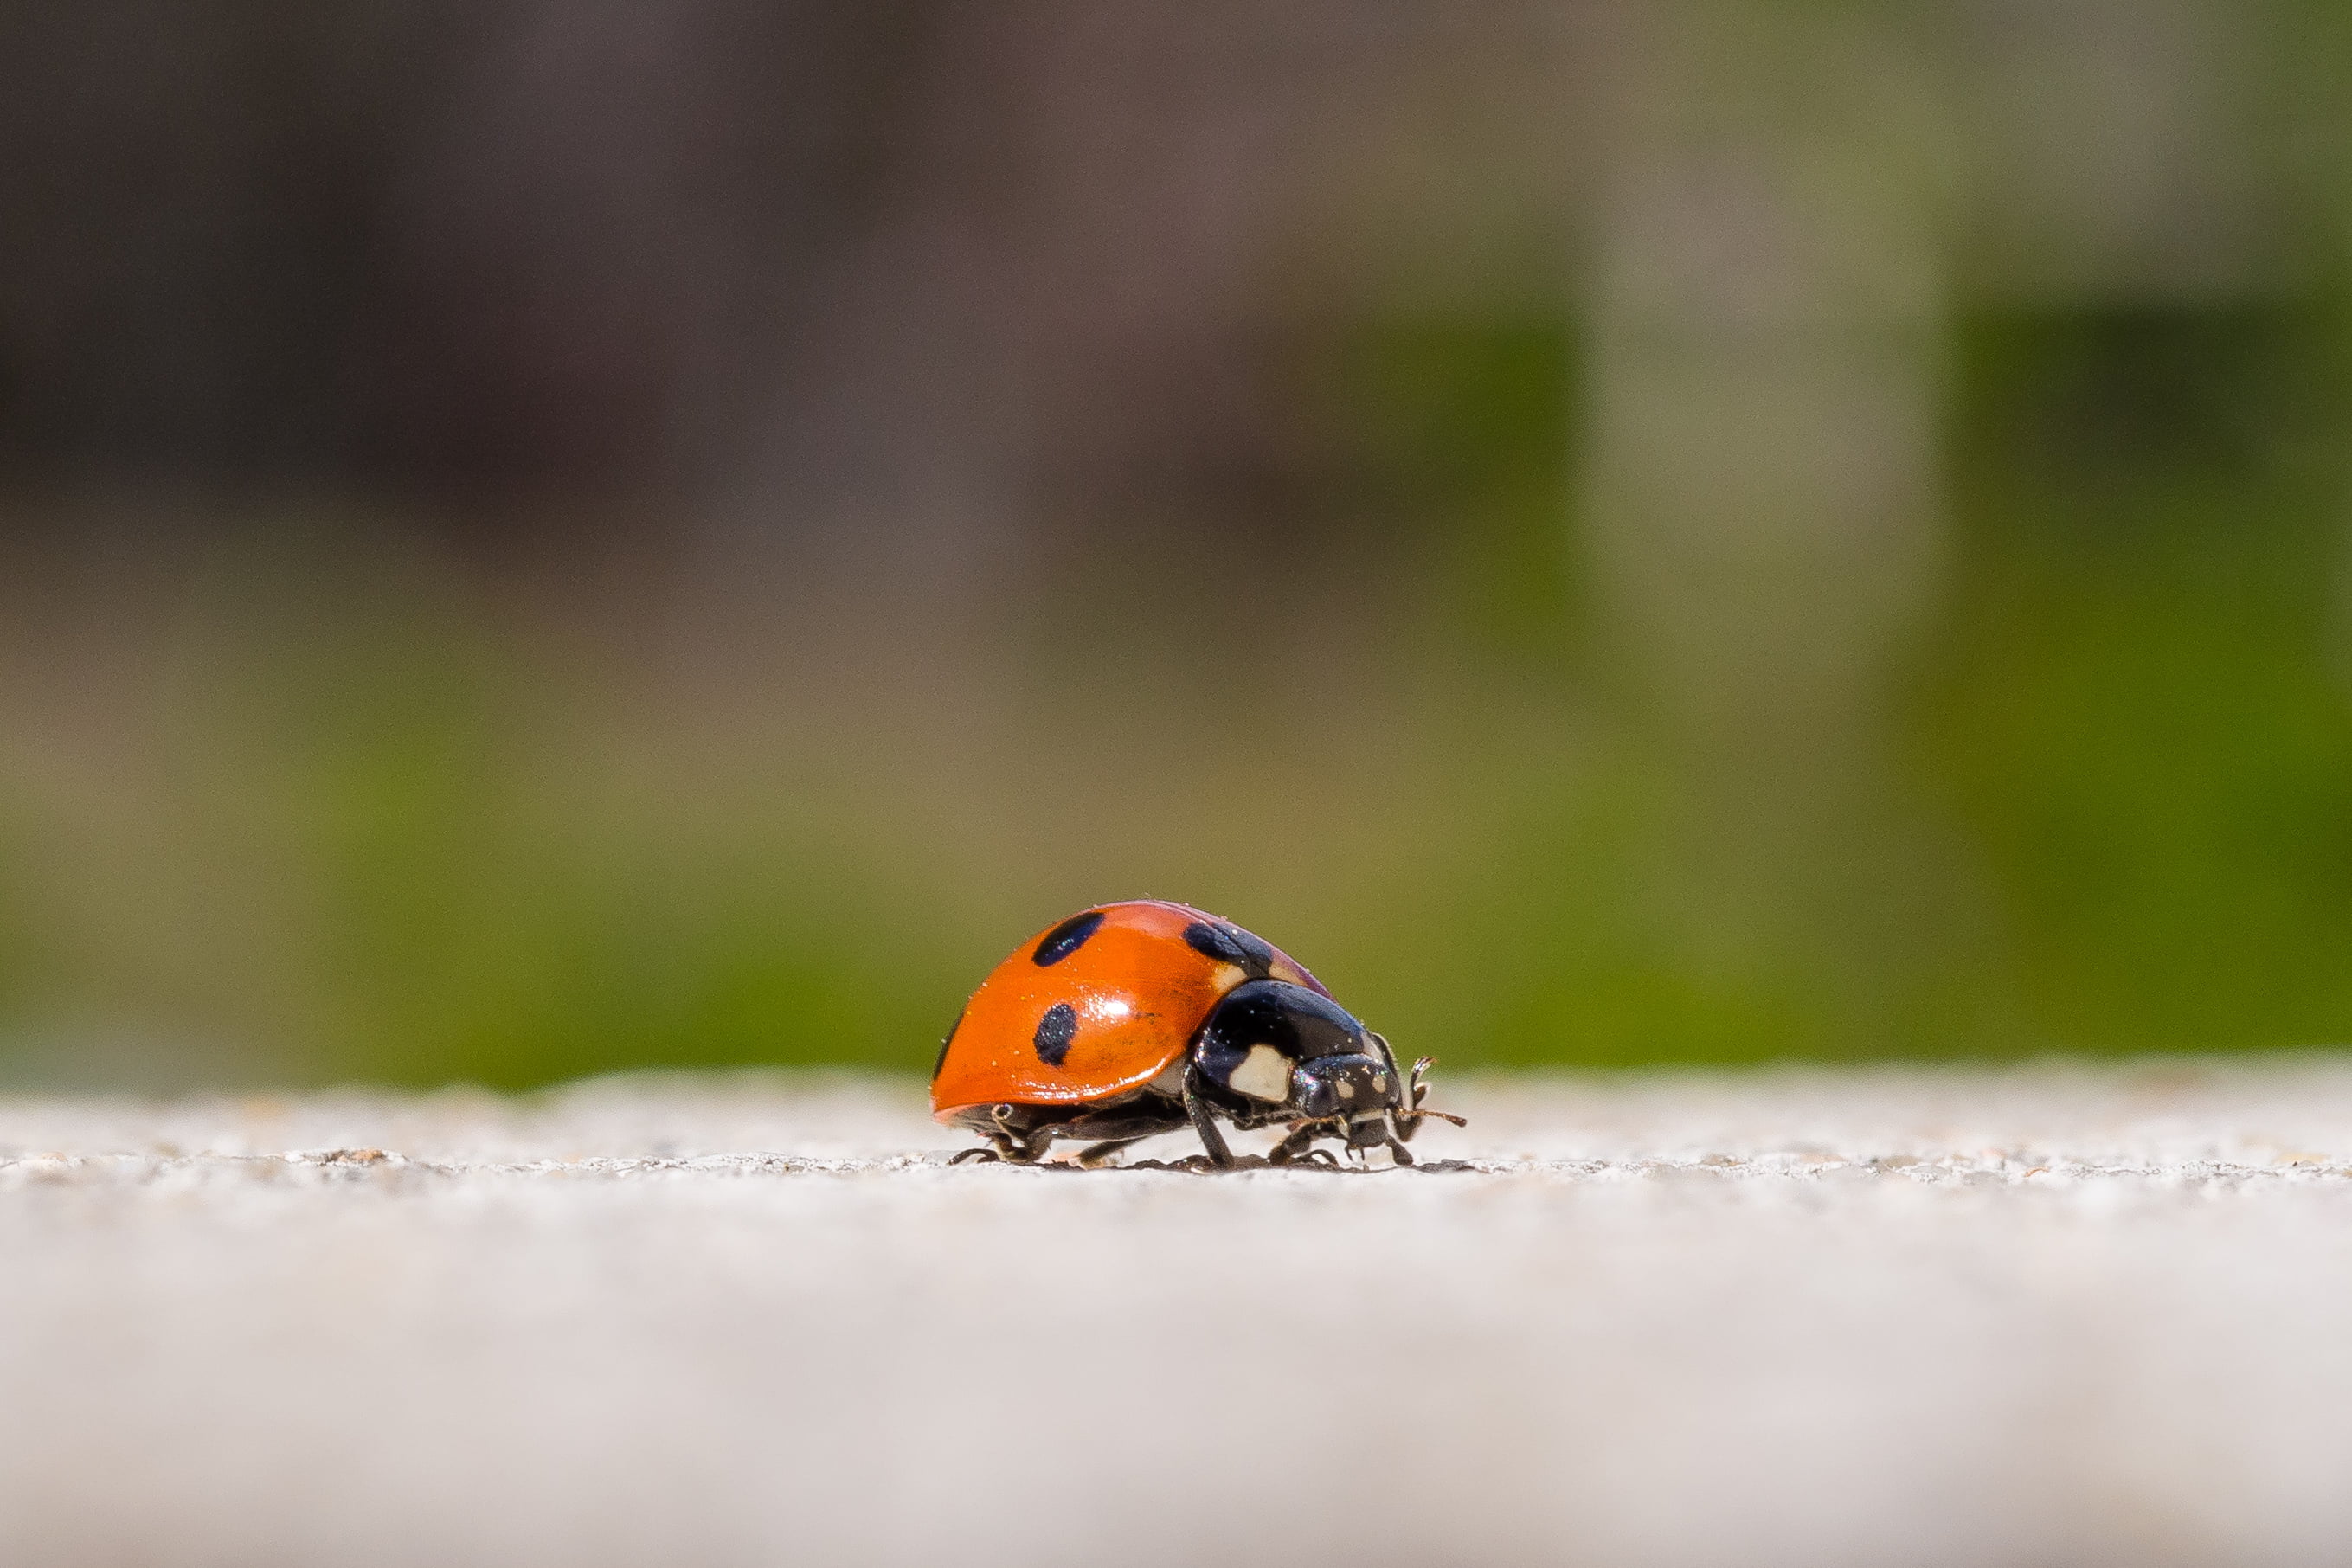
(543, 538)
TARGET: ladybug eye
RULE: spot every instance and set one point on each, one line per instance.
(1066, 938)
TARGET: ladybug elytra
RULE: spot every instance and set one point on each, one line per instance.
(1132, 1020)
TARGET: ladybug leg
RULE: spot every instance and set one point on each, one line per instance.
(1117, 1126)
(1296, 1142)
(1297, 1148)
(1009, 1144)
(1204, 1123)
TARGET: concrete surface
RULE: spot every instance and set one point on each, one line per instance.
(2049, 1316)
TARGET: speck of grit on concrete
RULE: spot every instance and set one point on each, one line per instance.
(2047, 1315)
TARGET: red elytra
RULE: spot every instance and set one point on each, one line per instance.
(1131, 991)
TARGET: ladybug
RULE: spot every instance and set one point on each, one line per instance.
(1132, 1020)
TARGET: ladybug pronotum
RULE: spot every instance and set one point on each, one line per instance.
(1132, 1020)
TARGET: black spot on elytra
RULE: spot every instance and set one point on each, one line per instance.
(942, 1062)
(1066, 938)
(1230, 944)
(1056, 1030)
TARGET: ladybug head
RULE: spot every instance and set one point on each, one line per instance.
(1358, 1089)
(1366, 1093)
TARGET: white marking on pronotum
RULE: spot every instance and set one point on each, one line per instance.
(1225, 976)
(1265, 1074)
(1284, 972)
(1347, 1089)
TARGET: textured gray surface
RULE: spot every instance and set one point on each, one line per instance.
(2048, 1315)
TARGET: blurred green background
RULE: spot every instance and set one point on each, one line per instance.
(541, 539)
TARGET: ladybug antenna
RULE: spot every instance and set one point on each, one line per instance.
(1420, 1092)
(1409, 1115)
